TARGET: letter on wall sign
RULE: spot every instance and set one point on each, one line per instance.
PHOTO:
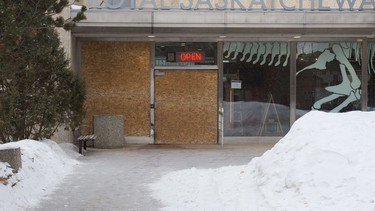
(132, 4)
(113, 5)
(257, 2)
(224, 7)
(286, 7)
(152, 2)
(205, 2)
(163, 6)
(323, 8)
(367, 2)
(238, 3)
(340, 3)
(184, 7)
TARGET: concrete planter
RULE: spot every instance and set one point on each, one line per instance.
(11, 156)
(109, 131)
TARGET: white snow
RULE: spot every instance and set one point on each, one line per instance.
(44, 165)
(326, 162)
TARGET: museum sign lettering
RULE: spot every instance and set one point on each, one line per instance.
(319, 5)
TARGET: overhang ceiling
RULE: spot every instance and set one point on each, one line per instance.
(135, 24)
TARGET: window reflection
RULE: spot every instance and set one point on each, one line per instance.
(328, 77)
(256, 88)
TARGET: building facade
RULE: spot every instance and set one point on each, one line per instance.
(218, 71)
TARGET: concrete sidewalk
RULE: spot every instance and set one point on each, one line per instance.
(118, 179)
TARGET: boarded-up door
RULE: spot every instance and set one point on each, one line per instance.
(186, 107)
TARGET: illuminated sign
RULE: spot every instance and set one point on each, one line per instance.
(293, 5)
(190, 56)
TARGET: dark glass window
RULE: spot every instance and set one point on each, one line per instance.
(328, 77)
(185, 54)
(256, 88)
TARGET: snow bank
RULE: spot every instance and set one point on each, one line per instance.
(71, 150)
(325, 162)
(44, 165)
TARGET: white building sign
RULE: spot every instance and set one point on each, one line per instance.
(266, 5)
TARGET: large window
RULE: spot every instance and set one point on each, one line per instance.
(256, 83)
(328, 77)
(371, 84)
(256, 88)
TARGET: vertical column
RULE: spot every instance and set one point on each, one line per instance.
(364, 78)
(293, 82)
(76, 55)
(76, 64)
(220, 121)
(152, 91)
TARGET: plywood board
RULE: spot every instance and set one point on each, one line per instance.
(186, 107)
(117, 83)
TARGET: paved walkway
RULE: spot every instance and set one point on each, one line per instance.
(117, 179)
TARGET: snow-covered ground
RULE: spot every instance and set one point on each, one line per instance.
(44, 165)
(326, 162)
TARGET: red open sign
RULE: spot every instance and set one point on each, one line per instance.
(190, 56)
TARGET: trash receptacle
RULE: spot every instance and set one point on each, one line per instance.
(109, 131)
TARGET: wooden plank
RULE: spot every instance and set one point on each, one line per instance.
(186, 107)
(117, 83)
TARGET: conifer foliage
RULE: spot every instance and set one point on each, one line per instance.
(38, 91)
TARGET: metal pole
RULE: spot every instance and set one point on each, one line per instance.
(293, 81)
(152, 93)
(220, 93)
(365, 77)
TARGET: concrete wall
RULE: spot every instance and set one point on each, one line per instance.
(63, 135)
(255, 24)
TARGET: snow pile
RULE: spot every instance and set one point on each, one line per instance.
(325, 162)
(71, 150)
(44, 165)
